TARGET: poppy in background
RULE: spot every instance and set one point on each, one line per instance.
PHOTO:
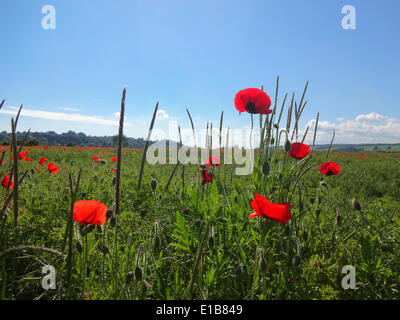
(95, 158)
(114, 170)
(213, 161)
(21, 155)
(330, 168)
(266, 209)
(253, 100)
(42, 160)
(90, 212)
(206, 177)
(113, 159)
(6, 181)
(27, 159)
(299, 150)
(52, 168)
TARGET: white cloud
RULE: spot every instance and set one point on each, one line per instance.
(61, 116)
(162, 114)
(70, 109)
(371, 117)
(364, 128)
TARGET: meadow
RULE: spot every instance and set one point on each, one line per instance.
(180, 233)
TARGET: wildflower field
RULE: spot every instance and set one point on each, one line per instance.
(115, 227)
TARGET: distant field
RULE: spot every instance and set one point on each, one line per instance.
(197, 240)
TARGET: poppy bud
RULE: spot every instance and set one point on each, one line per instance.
(305, 234)
(356, 205)
(33, 171)
(317, 212)
(287, 146)
(83, 194)
(211, 243)
(114, 181)
(153, 184)
(104, 249)
(103, 161)
(276, 126)
(157, 243)
(78, 246)
(296, 260)
(338, 219)
(262, 266)
(109, 213)
(129, 277)
(99, 229)
(113, 222)
(323, 184)
(197, 224)
(265, 167)
(138, 273)
(312, 200)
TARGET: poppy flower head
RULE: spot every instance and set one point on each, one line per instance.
(90, 212)
(253, 100)
(299, 150)
(21, 155)
(266, 209)
(6, 182)
(213, 161)
(52, 168)
(206, 177)
(330, 168)
(42, 160)
(27, 159)
(96, 158)
(113, 159)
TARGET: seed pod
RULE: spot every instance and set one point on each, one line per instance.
(272, 140)
(103, 161)
(109, 213)
(287, 146)
(305, 234)
(113, 222)
(356, 205)
(114, 180)
(317, 212)
(153, 184)
(312, 200)
(296, 260)
(78, 246)
(338, 219)
(138, 273)
(129, 277)
(265, 169)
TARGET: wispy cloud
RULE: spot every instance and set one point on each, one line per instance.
(60, 116)
(70, 109)
(162, 114)
(364, 128)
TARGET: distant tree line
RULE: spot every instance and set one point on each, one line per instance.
(70, 138)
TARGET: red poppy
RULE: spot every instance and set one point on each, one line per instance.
(52, 168)
(27, 159)
(42, 160)
(2, 163)
(114, 170)
(206, 177)
(299, 150)
(6, 181)
(113, 159)
(264, 208)
(330, 168)
(95, 158)
(253, 100)
(21, 155)
(90, 211)
(213, 161)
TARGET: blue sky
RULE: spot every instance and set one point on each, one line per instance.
(198, 54)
